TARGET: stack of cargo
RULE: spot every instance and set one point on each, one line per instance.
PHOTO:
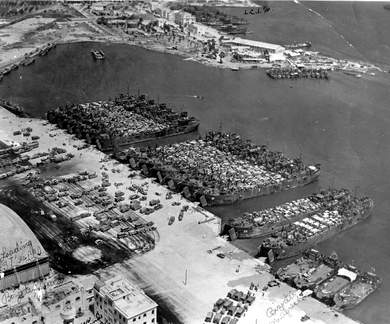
(119, 123)
(222, 168)
(304, 233)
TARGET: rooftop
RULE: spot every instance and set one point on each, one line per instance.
(128, 299)
(19, 244)
(252, 43)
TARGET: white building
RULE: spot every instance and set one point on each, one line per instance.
(261, 47)
(117, 301)
(184, 18)
(169, 15)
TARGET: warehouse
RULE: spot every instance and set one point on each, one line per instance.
(22, 257)
(253, 45)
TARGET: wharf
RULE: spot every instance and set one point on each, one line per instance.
(183, 246)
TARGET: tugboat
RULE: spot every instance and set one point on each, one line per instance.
(98, 55)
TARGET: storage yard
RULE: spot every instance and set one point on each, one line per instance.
(182, 245)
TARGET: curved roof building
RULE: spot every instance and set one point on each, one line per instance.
(22, 257)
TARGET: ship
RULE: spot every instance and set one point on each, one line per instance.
(326, 291)
(298, 45)
(336, 284)
(301, 235)
(311, 259)
(28, 61)
(188, 167)
(324, 269)
(297, 73)
(126, 120)
(365, 284)
(13, 108)
(43, 51)
(268, 221)
(233, 29)
(98, 55)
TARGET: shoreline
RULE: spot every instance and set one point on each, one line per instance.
(182, 246)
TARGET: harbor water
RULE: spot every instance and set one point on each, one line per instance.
(342, 123)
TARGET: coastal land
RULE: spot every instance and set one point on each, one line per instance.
(164, 270)
(23, 37)
(179, 270)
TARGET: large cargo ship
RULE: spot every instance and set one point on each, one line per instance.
(305, 233)
(115, 125)
(332, 282)
(221, 168)
(265, 222)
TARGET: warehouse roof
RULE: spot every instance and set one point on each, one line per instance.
(18, 244)
(252, 43)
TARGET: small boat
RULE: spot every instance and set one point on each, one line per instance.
(97, 55)
(235, 68)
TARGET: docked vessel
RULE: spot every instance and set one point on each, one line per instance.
(98, 55)
(365, 284)
(117, 124)
(310, 259)
(301, 235)
(221, 168)
(327, 290)
(15, 109)
(297, 73)
(332, 282)
(298, 45)
(265, 222)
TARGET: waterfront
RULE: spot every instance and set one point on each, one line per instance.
(342, 124)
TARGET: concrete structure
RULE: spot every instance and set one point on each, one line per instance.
(22, 257)
(260, 47)
(117, 301)
(54, 300)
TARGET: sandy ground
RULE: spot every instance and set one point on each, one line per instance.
(183, 247)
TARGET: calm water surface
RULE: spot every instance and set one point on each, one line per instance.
(342, 124)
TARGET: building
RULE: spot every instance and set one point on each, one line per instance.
(118, 301)
(55, 299)
(68, 299)
(256, 46)
(22, 257)
(183, 18)
(168, 14)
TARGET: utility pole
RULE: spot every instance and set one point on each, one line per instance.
(185, 277)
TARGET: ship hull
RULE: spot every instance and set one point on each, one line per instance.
(261, 231)
(342, 304)
(216, 200)
(109, 145)
(297, 249)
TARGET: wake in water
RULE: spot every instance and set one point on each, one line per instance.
(328, 23)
